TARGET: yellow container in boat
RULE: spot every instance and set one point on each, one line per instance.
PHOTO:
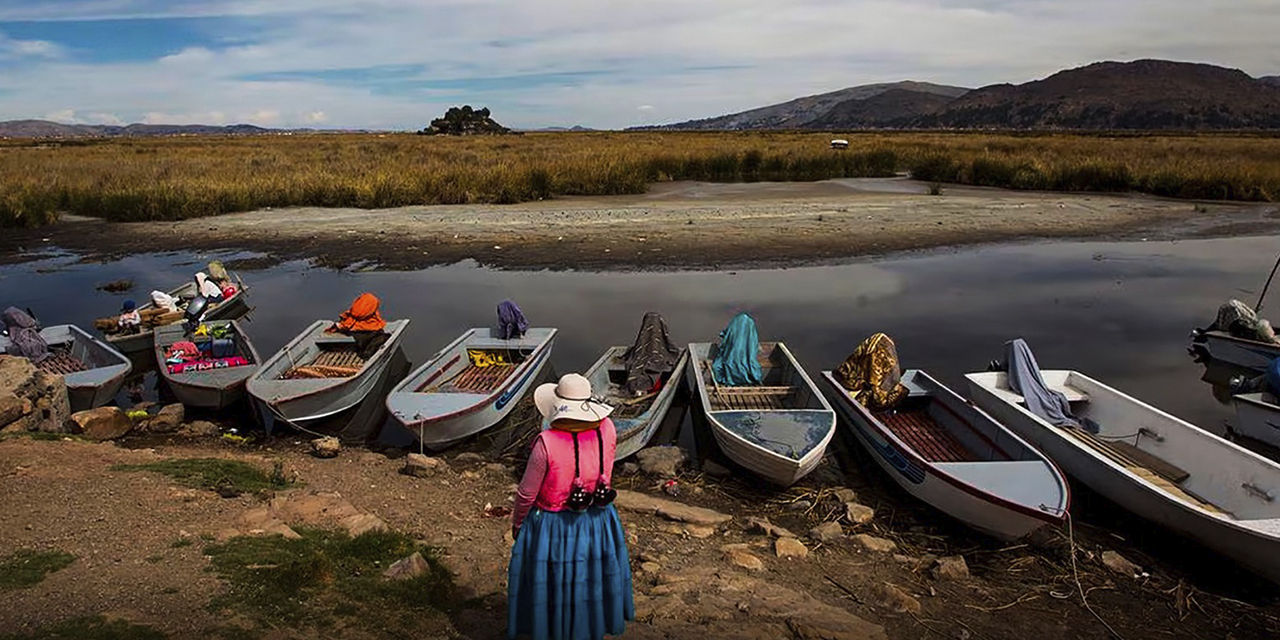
(483, 358)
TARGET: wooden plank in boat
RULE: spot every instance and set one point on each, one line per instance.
(1161, 466)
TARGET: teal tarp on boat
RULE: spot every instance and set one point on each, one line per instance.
(735, 363)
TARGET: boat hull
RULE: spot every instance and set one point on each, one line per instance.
(1258, 417)
(634, 433)
(301, 402)
(98, 385)
(233, 308)
(1256, 548)
(442, 419)
(979, 510)
(810, 426)
(1226, 356)
(216, 389)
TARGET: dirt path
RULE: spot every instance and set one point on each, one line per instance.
(690, 579)
(674, 225)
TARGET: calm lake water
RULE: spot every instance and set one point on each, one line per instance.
(1119, 311)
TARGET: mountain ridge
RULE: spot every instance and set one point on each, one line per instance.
(1138, 95)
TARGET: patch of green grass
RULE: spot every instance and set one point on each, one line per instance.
(180, 543)
(326, 575)
(228, 477)
(91, 628)
(156, 559)
(28, 567)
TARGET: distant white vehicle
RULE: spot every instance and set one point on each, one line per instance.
(839, 144)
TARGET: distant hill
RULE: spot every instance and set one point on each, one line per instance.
(802, 112)
(1145, 94)
(893, 108)
(47, 129)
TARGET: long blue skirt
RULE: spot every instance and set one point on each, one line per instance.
(570, 577)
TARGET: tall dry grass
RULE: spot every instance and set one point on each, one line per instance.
(174, 178)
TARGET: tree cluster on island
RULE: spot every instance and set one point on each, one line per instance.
(465, 121)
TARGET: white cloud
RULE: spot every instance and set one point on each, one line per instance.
(315, 117)
(695, 59)
(104, 118)
(65, 116)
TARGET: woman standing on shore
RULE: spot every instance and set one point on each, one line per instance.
(570, 577)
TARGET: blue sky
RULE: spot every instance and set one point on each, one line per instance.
(600, 63)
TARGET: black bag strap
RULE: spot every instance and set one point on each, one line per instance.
(600, 448)
(575, 455)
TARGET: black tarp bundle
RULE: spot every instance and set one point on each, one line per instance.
(24, 335)
(650, 357)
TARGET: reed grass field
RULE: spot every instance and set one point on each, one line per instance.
(143, 179)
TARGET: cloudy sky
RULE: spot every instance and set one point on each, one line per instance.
(600, 63)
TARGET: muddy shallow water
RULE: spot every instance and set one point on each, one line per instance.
(1118, 311)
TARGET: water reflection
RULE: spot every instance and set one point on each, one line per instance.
(1119, 311)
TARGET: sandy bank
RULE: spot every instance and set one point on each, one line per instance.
(674, 225)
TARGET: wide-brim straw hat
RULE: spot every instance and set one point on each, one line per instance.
(570, 398)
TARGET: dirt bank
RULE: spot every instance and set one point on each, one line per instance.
(674, 225)
(127, 529)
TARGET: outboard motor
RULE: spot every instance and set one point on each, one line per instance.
(195, 313)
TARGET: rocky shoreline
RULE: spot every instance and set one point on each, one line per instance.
(843, 555)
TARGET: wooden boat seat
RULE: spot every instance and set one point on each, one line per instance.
(918, 430)
(1073, 394)
(324, 340)
(751, 398)
(1145, 465)
(329, 363)
(475, 379)
(61, 362)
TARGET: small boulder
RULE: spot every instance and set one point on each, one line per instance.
(630, 468)
(845, 494)
(715, 469)
(421, 466)
(650, 567)
(12, 407)
(762, 525)
(201, 429)
(800, 505)
(790, 548)
(1120, 564)
(827, 532)
(497, 469)
(950, 568)
(872, 543)
(326, 447)
(739, 557)
(168, 420)
(406, 568)
(362, 523)
(858, 513)
(889, 597)
(468, 458)
(103, 423)
(662, 461)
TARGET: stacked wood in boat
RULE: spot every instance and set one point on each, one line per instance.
(483, 379)
(751, 398)
(338, 363)
(61, 363)
(151, 318)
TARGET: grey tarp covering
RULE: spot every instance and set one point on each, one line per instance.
(1025, 379)
(24, 335)
(651, 356)
(1237, 319)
